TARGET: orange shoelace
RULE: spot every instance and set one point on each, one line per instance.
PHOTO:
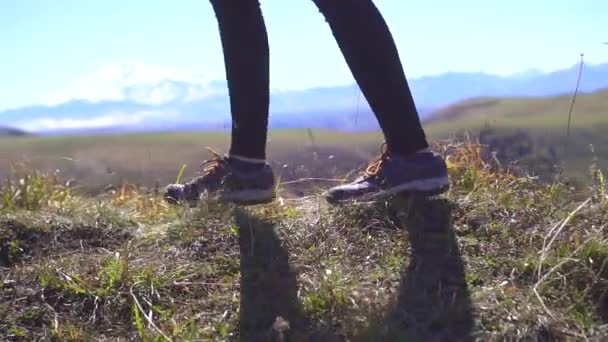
(210, 166)
(375, 166)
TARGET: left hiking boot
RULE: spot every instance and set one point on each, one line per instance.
(421, 173)
(232, 180)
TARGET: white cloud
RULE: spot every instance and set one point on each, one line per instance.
(111, 119)
(197, 92)
(138, 82)
(153, 95)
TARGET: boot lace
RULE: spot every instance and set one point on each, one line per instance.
(210, 166)
(375, 166)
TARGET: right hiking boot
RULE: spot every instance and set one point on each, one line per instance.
(422, 173)
(231, 180)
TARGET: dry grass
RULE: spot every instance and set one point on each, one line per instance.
(501, 256)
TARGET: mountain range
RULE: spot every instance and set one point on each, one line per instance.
(169, 104)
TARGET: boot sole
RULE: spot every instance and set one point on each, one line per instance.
(425, 188)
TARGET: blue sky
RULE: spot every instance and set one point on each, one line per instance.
(55, 50)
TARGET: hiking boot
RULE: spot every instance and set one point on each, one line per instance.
(232, 180)
(421, 173)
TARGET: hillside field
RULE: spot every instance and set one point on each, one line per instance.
(531, 131)
(541, 124)
(152, 159)
(498, 257)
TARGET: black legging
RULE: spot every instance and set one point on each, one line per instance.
(369, 50)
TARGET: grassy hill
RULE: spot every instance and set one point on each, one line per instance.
(523, 112)
(531, 131)
(499, 257)
(534, 130)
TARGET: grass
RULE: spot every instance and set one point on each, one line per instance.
(541, 122)
(530, 112)
(500, 256)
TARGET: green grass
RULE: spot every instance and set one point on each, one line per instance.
(500, 256)
(543, 121)
(525, 112)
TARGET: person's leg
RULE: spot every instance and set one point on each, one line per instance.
(370, 52)
(246, 58)
(243, 176)
(406, 165)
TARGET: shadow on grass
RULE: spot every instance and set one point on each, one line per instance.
(269, 307)
(433, 302)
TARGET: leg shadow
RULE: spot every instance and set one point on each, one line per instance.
(269, 309)
(433, 302)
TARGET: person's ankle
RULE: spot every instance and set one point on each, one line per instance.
(410, 153)
(245, 163)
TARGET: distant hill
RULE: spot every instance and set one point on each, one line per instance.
(533, 130)
(178, 105)
(11, 132)
(590, 109)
